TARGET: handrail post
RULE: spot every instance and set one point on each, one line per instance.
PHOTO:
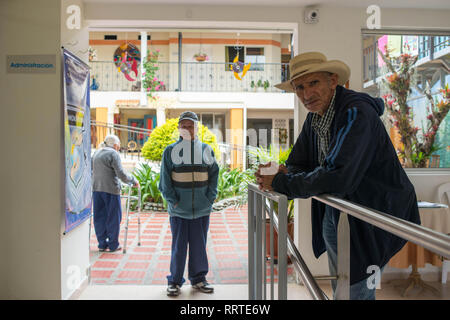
(282, 248)
(260, 203)
(251, 245)
(258, 254)
(272, 280)
(343, 258)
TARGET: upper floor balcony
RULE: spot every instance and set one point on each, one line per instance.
(193, 76)
(433, 57)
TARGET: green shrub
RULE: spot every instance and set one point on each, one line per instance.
(148, 180)
(166, 134)
(159, 139)
(232, 183)
(263, 155)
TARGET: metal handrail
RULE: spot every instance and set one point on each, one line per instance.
(308, 279)
(305, 274)
(422, 236)
(121, 127)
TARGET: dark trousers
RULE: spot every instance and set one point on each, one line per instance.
(192, 233)
(107, 218)
(362, 290)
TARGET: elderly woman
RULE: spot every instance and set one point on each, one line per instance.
(107, 170)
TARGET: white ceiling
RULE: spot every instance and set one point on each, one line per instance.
(423, 4)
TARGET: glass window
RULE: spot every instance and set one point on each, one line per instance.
(215, 123)
(256, 57)
(433, 54)
(219, 124)
(263, 129)
(230, 55)
(207, 120)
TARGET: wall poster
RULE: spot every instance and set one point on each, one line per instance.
(77, 141)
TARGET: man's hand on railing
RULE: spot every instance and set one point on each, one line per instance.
(265, 174)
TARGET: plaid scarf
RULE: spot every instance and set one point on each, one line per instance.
(321, 125)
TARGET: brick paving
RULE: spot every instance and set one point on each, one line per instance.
(227, 250)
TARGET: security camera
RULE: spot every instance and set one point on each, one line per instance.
(311, 15)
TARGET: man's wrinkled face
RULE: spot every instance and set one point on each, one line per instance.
(315, 90)
(187, 129)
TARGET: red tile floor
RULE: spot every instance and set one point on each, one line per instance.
(227, 249)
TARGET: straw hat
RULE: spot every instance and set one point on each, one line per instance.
(310, 62)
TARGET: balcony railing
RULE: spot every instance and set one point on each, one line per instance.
(195, 76)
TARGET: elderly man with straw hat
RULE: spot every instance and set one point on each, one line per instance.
(343, 149)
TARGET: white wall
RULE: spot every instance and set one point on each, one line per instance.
(75, 244)
(425, 184)
(32, 169)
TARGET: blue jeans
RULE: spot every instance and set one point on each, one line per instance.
(192, 232)
(359, 290)
(107, 218)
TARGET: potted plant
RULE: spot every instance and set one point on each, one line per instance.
(416, 146)
(266, 85)
(92, 54)
(201, 57)
(260, 85)
(253, 85)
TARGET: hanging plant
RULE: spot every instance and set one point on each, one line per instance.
(92, 54)
(200, 57)
(151, 82)
(417, 147)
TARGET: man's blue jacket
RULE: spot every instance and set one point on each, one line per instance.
(361, 166)
(188, 178)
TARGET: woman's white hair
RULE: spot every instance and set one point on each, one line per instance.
(110, 141)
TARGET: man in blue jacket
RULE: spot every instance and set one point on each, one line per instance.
(344, 150)
(188, 182)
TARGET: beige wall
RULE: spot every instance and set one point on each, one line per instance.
(106, 52)
(215, 52)
(32, 189)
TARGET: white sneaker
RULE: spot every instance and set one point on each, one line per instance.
(204, 287)
(173, 290)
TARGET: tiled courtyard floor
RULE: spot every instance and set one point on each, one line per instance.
(149, 263)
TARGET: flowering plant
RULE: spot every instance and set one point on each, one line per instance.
(92, 54)
(151, 82)
(201, 56)
(416, 147)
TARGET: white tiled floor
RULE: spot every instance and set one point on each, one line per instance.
(240, 292)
